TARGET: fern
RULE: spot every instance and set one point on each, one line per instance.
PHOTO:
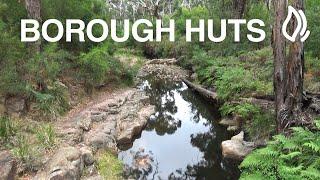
(313, 146)
(294, 157)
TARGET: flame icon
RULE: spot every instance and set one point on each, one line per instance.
(301, 25)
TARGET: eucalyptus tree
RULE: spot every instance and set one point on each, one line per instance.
(288, 71)
(33, 8)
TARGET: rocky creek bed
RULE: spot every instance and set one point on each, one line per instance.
(114, 122)
(177, 134)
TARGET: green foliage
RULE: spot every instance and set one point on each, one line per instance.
(95, 65)
(195, 14)
(312, 12)
(26, 152)
(258, 123)
(109, 166)
(235, 82)
(85, 10)
(312, 65)
(46, 136)
(51, 102)
(244, 110)
(98, 67)
(46, 67)
(7, 129)
(22, 149)
(234, 77)
(262, 125)
(294, 157)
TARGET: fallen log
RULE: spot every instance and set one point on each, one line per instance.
(262, 103)
(202, 91)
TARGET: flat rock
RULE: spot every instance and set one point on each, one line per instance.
(15, 106)
(84, 122)
(66, 163)
(233, 128)
(99, 117)
(132, 126)
(102, 137)
(72, 135)
(8, 166)
(228, 122)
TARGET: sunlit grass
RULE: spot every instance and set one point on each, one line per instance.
(109, 166)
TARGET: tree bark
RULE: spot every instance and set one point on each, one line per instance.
(279, 47)
(33, 8)
(239, 7)
(288, 71)
(295, 69)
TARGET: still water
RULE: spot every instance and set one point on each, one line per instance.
(182, 139)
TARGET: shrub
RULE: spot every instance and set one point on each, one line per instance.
(98, 67)
(7, 129)
(95, 65)
(294, 157)
(45, 68)
(109, 166)
(262, 125)
(46, 136)
(27, 153)
(22, 148)
(244, 110)
(51, 102)
(258, 123)
(235, 82)
(313, 67)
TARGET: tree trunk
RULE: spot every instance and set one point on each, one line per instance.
(295, 69)
(33, 8)
(239, 8)
(288, 71)
(279, 47)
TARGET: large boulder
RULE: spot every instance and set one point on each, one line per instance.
(84, 122)
(66, 163)
(70, 134)
(87, 155)
(15, 106)
(102, 137)
(8, 166)
(236, 148)
(132, 124)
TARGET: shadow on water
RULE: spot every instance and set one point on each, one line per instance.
(182, 139)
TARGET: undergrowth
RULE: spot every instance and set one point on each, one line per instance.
(293, 157)
(109, 166)
(258, 123)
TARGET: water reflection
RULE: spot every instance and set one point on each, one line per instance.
(181, 141)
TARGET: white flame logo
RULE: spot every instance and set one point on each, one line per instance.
(301, 25)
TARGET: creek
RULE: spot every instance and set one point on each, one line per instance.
(182, 139)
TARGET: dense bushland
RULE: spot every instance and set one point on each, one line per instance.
(42, 78)
(234, 70)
